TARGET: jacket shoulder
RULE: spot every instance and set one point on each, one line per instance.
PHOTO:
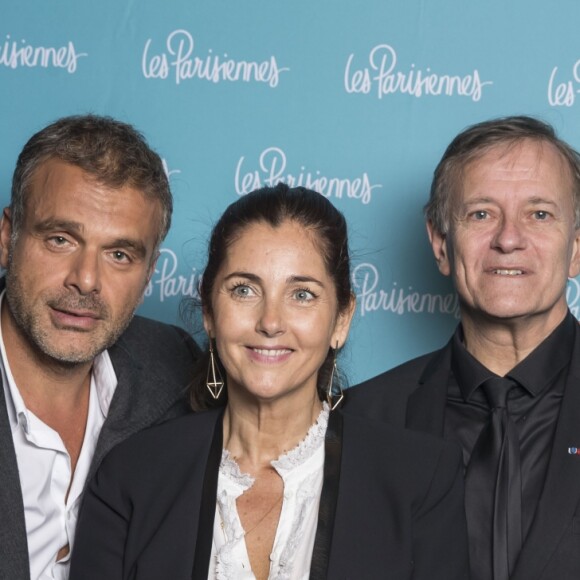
(384, 397)
(154, 363)
(151, 334)
(161, 452)
(158, 350)
(411, 456)
(410, 518)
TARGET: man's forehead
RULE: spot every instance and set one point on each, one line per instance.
(55, 169)
(54, 177)
(526, 159)
(60, 192)
(510, 154)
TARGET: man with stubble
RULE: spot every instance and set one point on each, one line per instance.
(90, 207)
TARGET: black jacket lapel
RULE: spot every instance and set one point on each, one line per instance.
(13, 544)
(328, 499)
(426, 405)
(204, 539)
(561, 492)
(140, 399)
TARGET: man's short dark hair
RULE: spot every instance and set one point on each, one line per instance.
(115, 154)
(477, 140)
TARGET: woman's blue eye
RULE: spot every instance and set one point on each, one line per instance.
(304, 295)
(242, 290)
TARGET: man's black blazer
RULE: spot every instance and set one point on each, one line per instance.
(391, 505)
(414, 395)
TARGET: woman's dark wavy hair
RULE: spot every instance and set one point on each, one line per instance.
(275, 206)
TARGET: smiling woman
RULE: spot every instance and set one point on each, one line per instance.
(275, 482)
(274, 313)
(288, 254)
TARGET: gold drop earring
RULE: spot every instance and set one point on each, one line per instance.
(334, 392)
(214, 380)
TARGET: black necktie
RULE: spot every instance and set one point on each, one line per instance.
(493, 490)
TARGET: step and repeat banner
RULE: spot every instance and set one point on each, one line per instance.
(356, 99)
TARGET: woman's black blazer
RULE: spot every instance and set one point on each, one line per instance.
(391, 505)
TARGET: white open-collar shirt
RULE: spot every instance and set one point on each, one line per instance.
(45, 469)
(301, 470)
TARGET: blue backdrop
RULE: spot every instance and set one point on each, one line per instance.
(355, 99)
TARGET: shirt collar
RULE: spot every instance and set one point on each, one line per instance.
(534, 373)
(289, 464)
(553, 354)
(105, 380)
(467, 370)
(103, 376)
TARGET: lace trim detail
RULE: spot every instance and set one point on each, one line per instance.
(306, 495)
(230, 469)
(303, 451)
(307, 447)
(225, 563)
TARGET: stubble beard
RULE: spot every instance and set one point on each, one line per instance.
(29, 322)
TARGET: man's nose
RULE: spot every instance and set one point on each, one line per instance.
(84, 274)
(509, 235)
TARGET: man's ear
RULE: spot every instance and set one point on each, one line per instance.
(439, 244)
(5, 236)
(152, 265)
(574, 267)
(150, 272)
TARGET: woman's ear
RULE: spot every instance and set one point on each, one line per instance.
(208, 323)
(342, 326)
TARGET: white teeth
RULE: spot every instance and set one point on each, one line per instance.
(272, 353)
(508, 272)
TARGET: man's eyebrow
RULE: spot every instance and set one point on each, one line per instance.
(50, 225)
(477, 200)
(54, 225)
(137, 247)
(483, 199)
(541, 200)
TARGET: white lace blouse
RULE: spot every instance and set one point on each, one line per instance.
(301, 470)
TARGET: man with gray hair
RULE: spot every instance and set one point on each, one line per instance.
(90, 207)
(503, 221)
